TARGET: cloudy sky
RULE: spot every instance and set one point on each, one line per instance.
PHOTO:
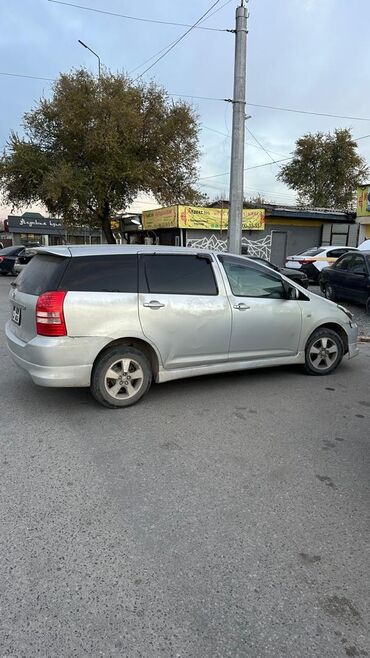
(309, 55)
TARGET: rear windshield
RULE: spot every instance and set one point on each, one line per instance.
(42, 273)
(9, 251)
(312, 252)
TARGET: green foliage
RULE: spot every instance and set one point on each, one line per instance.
(90, 149)
(325, 169)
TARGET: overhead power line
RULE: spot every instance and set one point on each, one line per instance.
(141, 19)
(261, 145)
(209, 98)
(318, 114)
(172, 46)
(31, 77)
(227, 173)
(257, 146)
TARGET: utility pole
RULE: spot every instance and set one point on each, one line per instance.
(238, 130)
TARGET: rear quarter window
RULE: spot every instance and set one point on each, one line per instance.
(43, 273)
(101, 274)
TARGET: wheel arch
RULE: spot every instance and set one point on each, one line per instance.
(137, 343)
(334, 327)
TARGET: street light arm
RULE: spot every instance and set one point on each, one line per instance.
(92, 51)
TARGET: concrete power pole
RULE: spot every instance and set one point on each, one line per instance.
(238, 130)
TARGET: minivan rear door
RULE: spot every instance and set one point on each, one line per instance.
(43, 273)
(184, 310)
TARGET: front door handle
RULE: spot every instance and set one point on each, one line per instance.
(153, 304)
(241, 307)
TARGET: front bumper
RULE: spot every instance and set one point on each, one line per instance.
(352, 333)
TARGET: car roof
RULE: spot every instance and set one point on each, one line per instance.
(116, 249)
(112, 249)
(339, 246)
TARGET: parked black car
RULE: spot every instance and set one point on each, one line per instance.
(295, 275)
(8, 257)
(23, 259)
(348, 278)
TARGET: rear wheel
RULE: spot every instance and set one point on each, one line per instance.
(121, 376)
(329, 292)
(324, 352)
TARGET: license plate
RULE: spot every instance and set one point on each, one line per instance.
(16, 315)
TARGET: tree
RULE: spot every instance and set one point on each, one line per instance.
(325, 169)
(257, 200)
(90, 149)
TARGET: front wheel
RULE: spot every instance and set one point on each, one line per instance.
(121, 376)
(324, 352)
(329, 292)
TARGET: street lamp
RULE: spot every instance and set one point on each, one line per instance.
(88, 48)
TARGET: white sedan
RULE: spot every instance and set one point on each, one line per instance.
(364, 246)
(312, 261)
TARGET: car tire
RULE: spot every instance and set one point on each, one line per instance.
(368, 306)
(3, 273)
(329, 292)
(324, 352)
(131, 377)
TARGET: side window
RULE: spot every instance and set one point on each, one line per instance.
(247, 281)
(336, 253)
(110, 273)
(357, 265)
(178, 275)
(343, 263)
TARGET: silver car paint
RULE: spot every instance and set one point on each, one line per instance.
(191, 335)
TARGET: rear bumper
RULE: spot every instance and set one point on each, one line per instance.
(311, 271)
(54, 362)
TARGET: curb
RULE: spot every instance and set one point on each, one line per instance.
(364, 339)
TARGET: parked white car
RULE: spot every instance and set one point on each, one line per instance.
(364, 246)
(312, 261)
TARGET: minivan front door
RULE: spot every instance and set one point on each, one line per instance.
(265, 323)
(184, 310)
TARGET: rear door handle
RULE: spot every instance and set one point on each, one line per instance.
(153, 304)
(241, 307)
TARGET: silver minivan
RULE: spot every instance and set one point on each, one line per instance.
(115, 318)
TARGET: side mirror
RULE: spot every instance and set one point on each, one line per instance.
(290, 291)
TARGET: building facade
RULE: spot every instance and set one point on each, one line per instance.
(35, 229)
(280, 231)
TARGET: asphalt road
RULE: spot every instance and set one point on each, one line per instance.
(225, 516)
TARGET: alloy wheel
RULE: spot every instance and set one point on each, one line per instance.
(323, 353)
(123, 379)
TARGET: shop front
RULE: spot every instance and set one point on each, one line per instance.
(33, 229)
(272, 232)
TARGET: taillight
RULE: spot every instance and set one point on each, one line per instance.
(305, 261)
(1, 259)
(49, 314)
